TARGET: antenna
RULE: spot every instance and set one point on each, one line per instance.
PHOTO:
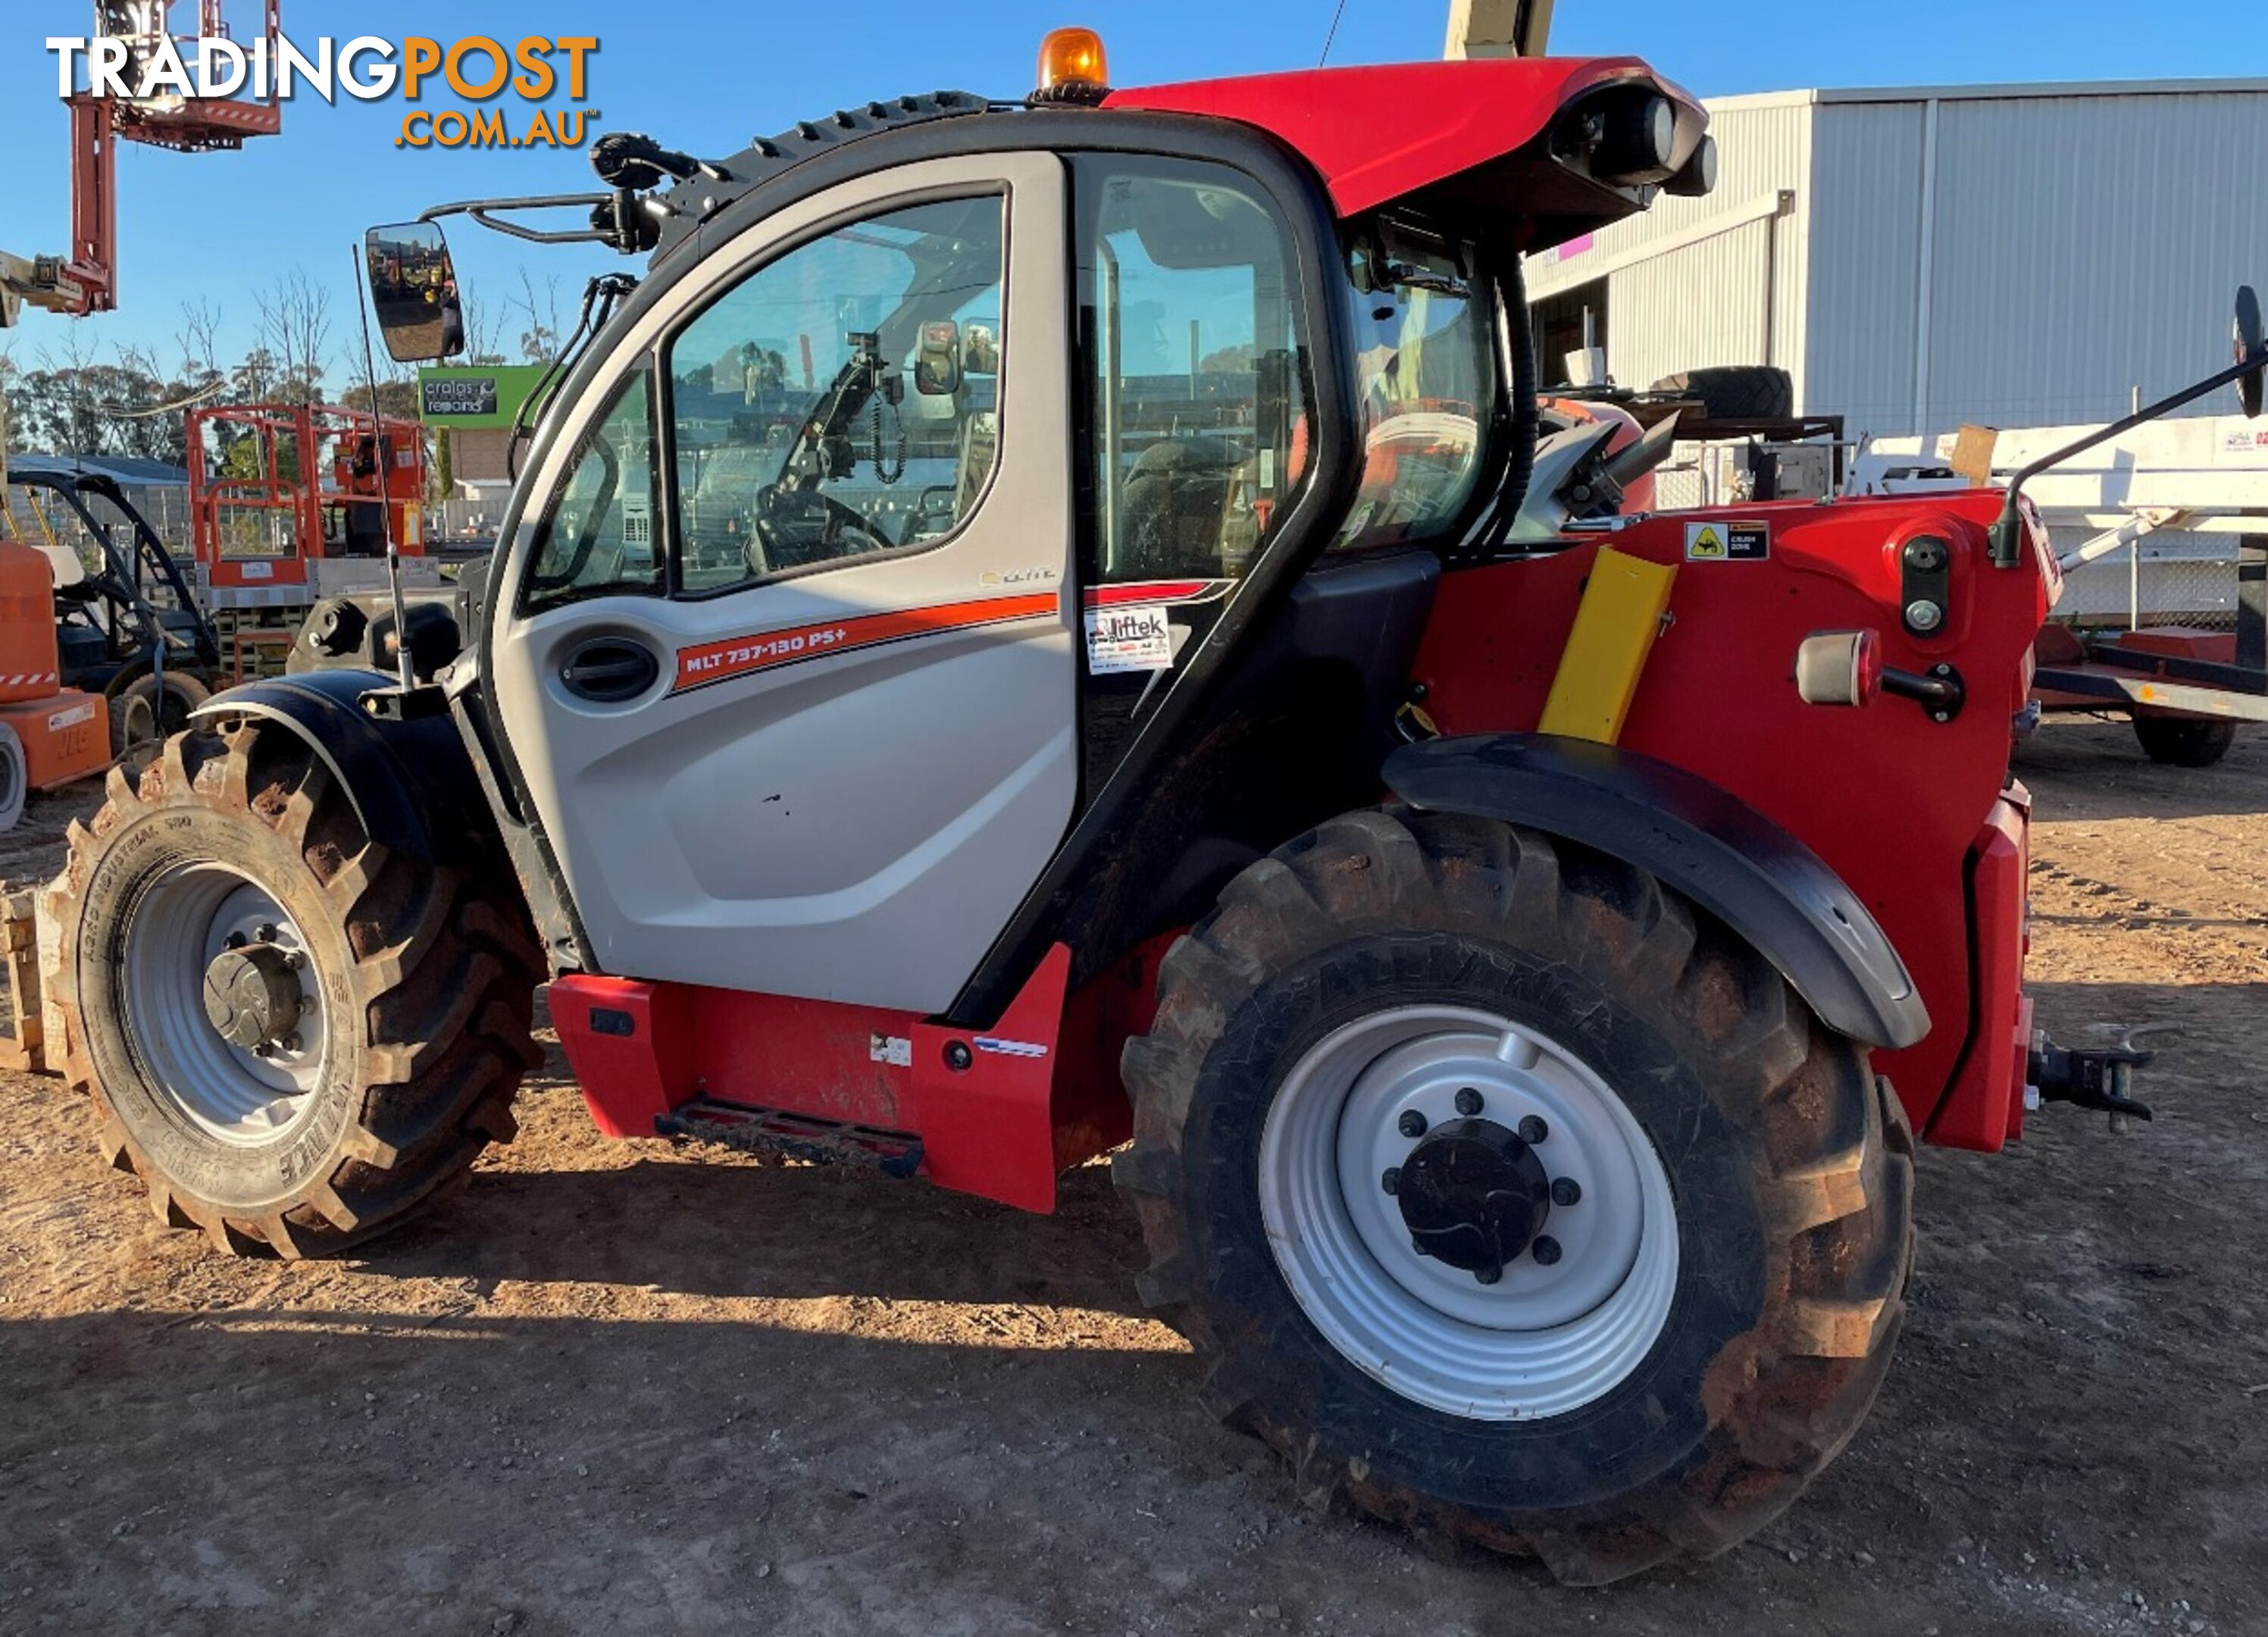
(385, 479)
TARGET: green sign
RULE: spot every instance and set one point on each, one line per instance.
(476, 399)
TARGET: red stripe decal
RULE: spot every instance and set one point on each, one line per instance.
(1156, 590)
(765, 650)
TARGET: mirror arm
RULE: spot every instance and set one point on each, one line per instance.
(2009, 534)
(481, 209)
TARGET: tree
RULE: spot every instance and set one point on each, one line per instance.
(295, 328)
(540, 342)
(483, 333)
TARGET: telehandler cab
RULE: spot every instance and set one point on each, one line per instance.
(1011, 636)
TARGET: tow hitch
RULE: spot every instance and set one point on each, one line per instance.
(2099, 1079)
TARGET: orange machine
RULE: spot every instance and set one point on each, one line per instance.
(291, 503)
(49, 735)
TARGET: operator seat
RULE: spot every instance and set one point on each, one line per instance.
(1176, 506)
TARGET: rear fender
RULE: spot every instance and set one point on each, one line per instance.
(1700, 840)
(412, 783)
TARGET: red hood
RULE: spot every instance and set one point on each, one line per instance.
(1382, 134)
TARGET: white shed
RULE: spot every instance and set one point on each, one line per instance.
(2016, 255)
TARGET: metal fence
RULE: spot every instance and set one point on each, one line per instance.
(2166, 578)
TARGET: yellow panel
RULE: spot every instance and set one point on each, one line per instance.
(1614, 631)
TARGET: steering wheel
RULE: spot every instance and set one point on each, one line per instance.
(798, 527)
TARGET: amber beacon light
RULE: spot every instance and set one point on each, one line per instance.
(1074, 68)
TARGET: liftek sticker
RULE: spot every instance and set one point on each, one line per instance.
(1001, 1048)
(71, 717)
(260, 571)
(1727, 542)
(1129, 640)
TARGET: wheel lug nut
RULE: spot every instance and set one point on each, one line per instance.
(1412, 1123)
(1545, 1251)
(1566, 1190)
(268, 934)
(1392, 1181)
(291, 1042)
(1533, 1130)
(237, 941)
(1468, 1102)
(1489, 1275)
(295, 960)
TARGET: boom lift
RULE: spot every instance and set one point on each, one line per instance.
(86, 280)
(1015, 634)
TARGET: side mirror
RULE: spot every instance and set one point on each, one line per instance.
(413, 290)
(937, 366)
(2250, 346)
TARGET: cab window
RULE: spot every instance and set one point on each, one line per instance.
(1426, 379)
(598, 536)
(1197, 368)
(841, 400)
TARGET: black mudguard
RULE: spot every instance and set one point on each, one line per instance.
(1696, 839)
(412, 783)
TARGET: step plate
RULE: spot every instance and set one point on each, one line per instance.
(796, 1136)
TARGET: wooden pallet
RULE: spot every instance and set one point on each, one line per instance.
(24, 1049)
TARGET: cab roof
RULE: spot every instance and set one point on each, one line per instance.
(1503, 143)
(1471, 134)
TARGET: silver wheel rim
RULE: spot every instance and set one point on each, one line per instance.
(184, 918)
(1546, 1340)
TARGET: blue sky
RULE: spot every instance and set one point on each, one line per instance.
(707, 75)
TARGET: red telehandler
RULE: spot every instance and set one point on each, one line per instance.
(1012, 643)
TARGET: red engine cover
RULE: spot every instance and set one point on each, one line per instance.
(1900, 806)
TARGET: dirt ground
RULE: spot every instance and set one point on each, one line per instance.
(619, 1388)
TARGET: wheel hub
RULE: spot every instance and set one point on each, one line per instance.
(1474, 1195)
(253, 998)
(1468, 1211)
(222, 1004)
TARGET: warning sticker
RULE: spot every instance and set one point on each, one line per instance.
(895, 1049)
(1727, 542)
(1128, 639)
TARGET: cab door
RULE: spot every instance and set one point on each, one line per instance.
(789, 668)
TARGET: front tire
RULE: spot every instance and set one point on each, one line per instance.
(1701, 1343)
(292, 1036)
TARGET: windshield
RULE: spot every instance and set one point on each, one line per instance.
(1427, 378)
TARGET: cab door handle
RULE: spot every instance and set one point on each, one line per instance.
(609, 670)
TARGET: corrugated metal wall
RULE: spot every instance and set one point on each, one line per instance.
(1706, 304)
(2081, 246)
(1866, 265)
(2078, 246)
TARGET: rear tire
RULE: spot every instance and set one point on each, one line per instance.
(148, 712)
(2184, 742)
(389, 1069)
(1737, 392)
(1788, 1164)
(15, 775)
